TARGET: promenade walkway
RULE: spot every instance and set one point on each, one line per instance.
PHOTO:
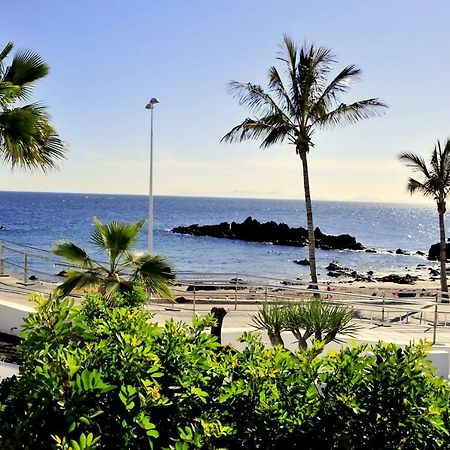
(238, 320)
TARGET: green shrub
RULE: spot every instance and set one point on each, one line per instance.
(94, 377)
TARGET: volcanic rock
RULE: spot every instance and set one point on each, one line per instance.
(433, 272)
(302, 262)
(271, 232)
(435, 251)
(399, 279)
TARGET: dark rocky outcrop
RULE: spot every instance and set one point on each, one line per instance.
(399, 251)
(399, 279)
(302, 262)
(271, 232)
(433, 272)
(340, 242)
(435, 251)
(335, 270)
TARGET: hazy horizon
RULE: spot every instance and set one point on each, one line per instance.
(429, 203)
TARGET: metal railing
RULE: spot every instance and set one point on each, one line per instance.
(193, 289)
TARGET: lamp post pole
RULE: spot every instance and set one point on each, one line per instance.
(151, 106)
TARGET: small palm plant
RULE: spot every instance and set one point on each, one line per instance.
(309, 319)
(125, 268)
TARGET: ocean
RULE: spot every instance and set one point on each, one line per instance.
(40, 219)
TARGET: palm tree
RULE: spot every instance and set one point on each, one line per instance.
(124, 269)
(27, 140)
(297, 103)
(435, 183)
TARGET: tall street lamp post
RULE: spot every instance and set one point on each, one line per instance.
(151, 106)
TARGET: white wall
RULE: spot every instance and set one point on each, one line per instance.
(8, 370)
(12, 316)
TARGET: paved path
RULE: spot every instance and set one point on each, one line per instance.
(239, 320)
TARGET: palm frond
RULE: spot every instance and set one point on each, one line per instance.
(314, 66)
(414, 185)
(77, 280)
(288, 54)
(352, 113)
(115, 237)
(435, 180)
(339, 85)
(4, 54)
(27, 139)
(73, 253)
(276, 134)
(6, 51)
(111, 286)
(277, 86)
(9, 93)
(26, 68)
(415, 162)
(271, 129)
(152, 271)
(257, 100)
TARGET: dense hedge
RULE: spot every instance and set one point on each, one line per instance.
(94, 377)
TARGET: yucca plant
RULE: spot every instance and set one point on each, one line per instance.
(271, 318)
(322, 320)
(308, 319)
(125, 267)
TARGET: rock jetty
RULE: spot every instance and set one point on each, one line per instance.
(271, 232)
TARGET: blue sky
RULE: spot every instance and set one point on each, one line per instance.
(108, 58)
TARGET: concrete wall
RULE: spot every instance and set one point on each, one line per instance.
(12, 316)
(440, 359)
(8, 370)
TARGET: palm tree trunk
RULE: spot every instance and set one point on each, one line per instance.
(443, 253)
(309, 219)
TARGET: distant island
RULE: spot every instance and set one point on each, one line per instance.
(252, 230)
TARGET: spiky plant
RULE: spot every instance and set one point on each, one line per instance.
(300, 100)
(322, 320)
(125, 267)
(435, 183)
(313, 318)
(271, 318)
(27, 140)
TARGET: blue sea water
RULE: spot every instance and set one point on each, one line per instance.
(40, 219)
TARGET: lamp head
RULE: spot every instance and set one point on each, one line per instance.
(151, 104)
